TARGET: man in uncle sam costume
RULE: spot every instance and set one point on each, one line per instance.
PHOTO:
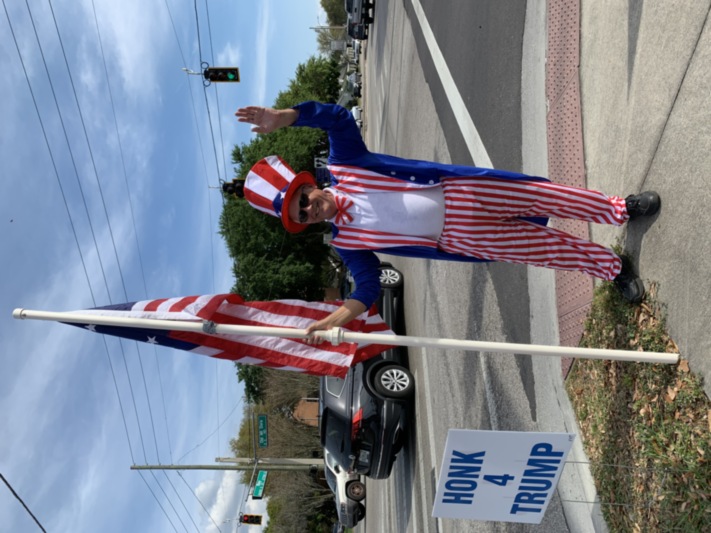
(381, 203)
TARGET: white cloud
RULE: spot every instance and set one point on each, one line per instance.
(63, 439)
(227, 497)
(265, 33)
(135, 35)
(230, 55)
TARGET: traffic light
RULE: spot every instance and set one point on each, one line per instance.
(221, 74)
(254, 519)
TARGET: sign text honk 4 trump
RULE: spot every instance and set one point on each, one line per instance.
(505, 476)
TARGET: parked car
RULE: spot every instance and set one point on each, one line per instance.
(357, 30)
(348, 490)
(359, 11)
(363, 416)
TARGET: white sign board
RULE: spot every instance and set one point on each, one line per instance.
(504, 476)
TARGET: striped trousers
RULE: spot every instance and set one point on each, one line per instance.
(482, 220)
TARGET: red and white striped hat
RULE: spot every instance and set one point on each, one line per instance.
(271, 184)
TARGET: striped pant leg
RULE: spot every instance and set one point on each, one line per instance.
(521, 198)
(487, 230)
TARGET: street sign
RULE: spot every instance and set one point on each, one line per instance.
(262, 433)
(259, 485)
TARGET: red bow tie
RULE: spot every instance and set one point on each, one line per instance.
(343, 204)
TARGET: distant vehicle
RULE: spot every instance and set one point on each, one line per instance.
(363, 416)
(356, 49)
(357, 30)
(359, 11)
(347, 489)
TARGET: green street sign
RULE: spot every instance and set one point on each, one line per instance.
(262, 433)
(259, 485)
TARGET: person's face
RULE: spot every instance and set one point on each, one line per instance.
(310, 205)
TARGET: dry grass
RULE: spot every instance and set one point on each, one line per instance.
(646, 428)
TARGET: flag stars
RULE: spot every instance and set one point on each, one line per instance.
(91, 327)
(152, 340)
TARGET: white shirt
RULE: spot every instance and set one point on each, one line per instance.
(418, 213)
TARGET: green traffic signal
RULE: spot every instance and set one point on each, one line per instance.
(221, 74)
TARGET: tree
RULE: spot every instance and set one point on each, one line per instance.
(324, 37)
(335, 12)
(253, 378)
(271, 264)
(317, 79)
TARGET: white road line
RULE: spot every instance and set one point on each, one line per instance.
(430, 433)
(476, 150)
(466, 124)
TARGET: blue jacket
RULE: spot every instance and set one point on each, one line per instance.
(347, 148)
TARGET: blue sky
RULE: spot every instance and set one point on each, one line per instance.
(109, 201)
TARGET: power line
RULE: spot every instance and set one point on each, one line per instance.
(200, 502)
(215, 431)
(181, 500)
(18, 496)
(158, 502)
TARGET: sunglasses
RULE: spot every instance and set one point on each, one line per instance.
(303, 204)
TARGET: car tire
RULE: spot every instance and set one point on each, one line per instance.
(390, 277)
(394, 381)
(361, 512)
(355, 490)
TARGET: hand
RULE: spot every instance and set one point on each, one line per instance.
(344, 314)
(265, 119)
(321, 325)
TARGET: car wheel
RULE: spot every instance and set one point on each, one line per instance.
(390, 277)
(355, 490)
(394, 381)
(361, 512)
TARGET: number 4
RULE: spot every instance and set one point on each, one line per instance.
(501, 481)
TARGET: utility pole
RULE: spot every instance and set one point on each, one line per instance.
(245, 464)
(281, 468)
(305, 464)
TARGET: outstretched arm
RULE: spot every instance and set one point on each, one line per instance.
(344, 314)
(267, 119)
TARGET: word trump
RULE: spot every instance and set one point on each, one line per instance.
(537, 481)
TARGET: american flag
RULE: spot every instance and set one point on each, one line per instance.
(282, 353)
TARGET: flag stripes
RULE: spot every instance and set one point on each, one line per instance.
(482, 221)
(274, 352)
(350, 238)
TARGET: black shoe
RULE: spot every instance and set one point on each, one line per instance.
(629, 283)
(642, 205)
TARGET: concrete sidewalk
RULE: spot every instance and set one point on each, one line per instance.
(628, 87)
(645, 85)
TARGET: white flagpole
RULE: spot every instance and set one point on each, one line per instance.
(337, 335)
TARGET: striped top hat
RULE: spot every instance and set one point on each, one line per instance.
(270, 186)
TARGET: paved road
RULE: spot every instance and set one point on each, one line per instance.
(456, 84)
(418, 104)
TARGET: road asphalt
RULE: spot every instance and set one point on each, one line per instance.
(643, 80)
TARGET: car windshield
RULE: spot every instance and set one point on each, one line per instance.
(335, 436)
